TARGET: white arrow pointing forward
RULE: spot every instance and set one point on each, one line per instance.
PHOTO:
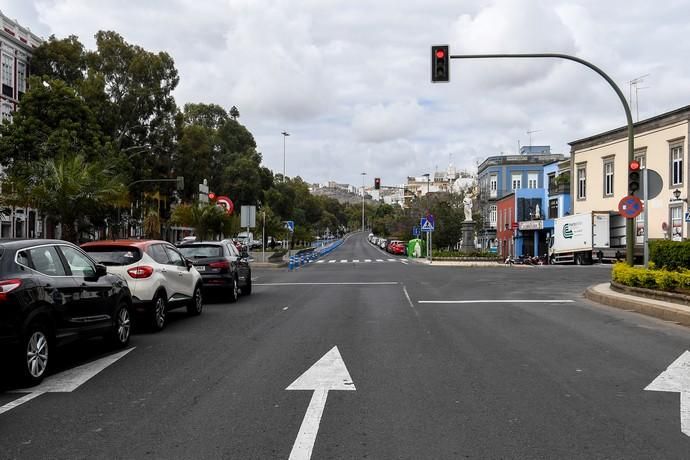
(329, 373)
(676, 378)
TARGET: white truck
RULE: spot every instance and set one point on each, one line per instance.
(584, 238)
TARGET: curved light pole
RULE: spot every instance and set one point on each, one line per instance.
(285, 134)
(630, 223)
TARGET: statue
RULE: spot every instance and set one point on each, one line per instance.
(537, 212)
(467, 202)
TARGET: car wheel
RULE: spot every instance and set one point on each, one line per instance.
(578, 259)
(196, 305)
(159, 313)
(234, 291)
(247, 289)
(122, 327)
(35, 354)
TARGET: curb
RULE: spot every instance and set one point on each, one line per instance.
(603, 294)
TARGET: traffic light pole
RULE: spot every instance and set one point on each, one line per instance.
(630, 223)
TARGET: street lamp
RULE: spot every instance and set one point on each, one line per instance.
(363, 174)
(285, 134)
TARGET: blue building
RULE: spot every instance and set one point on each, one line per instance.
(501, 175)
(536, 209)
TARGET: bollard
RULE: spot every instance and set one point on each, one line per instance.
(291, 264)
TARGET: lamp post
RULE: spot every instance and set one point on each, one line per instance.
(285, 134)
(363, 174)
(428, 234)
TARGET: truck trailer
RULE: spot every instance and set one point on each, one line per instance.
(588, 237)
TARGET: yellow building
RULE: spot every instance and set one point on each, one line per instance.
(600, 171)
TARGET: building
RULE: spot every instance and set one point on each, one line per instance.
(502, 175)
(16, 46)
(600, 171)
(506, 226)
(450, 181)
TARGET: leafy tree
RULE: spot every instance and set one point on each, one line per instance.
(208, 220)
(72, 191)
(210, 116)
(63, 59)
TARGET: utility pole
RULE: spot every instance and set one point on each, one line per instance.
(363, 174)
(285, 134)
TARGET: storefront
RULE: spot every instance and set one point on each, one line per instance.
(533, 236)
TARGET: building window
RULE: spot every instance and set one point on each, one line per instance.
(21, 77)
(553, 208)
(581, 182)
(676, 165)
(516, 181)
(642, 159)
(677, 223)
(7, 71)
(533, 180)
(6, 112)
(493, 215)
(493, 185)
(608, 177)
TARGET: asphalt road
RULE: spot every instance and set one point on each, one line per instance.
(524, 368)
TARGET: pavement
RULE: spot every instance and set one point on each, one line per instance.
(372, 360)
(668, 311)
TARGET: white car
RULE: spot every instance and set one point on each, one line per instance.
(159, 277)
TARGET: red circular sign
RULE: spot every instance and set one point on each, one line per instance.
(225, 203)
(630, 207)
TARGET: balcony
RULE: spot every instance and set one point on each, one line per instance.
(559, 189)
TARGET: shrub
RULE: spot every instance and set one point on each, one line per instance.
(671, 255)
(663, 280)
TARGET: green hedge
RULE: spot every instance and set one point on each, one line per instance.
(671, 255)
(663, 280)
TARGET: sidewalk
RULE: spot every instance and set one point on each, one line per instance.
(469, 263)
(668, 311)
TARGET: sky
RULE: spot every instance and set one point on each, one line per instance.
(350, 80)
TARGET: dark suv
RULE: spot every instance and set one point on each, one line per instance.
(221, 265)
(51, 292)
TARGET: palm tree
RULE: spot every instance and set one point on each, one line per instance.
(72, 191)
(234, 113)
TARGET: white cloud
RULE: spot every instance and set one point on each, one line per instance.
(386, 122)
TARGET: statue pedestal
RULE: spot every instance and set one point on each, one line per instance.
(467, 237)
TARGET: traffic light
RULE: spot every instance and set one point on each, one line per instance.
(377, 183)
(440, 63)
(211, 196)
(633, 177)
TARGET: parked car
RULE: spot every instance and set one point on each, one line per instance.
(221, 266)
(382, 243)
(51, 292)
(396, 247)
(160, 278)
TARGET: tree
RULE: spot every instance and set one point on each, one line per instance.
(74, 192)
(234, 113)
(210, 116)
(63, 59)
(207, 220)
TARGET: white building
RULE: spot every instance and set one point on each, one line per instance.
(16, 47)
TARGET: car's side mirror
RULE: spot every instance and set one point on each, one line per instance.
(244, 253)
(188, 263)
(101, 270)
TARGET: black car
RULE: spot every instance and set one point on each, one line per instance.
(221, 265)
(52, 292)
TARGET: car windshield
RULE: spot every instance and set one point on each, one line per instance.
(114, 255)
(198, 251)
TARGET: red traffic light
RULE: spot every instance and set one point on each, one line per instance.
(440, 54)
(634, 165)
(211, 196)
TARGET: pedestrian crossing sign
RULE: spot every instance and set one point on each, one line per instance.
(687, 217)
(427, 225)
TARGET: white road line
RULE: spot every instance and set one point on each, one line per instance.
(407, 295)
(332, 261)
(404, 261)
(391, 260)
(356, 261)
(344, 261)
(320, 261)
(373, 283)
(19, 401)
(497, 301)
(367, 260)
(379, 260)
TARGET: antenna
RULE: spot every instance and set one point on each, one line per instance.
(529, 133)
(635, 82)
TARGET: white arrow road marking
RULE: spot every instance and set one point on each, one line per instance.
(66, 381)
(328, 374)
(676, 379)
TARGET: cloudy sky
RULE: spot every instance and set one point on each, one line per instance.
(350, 80)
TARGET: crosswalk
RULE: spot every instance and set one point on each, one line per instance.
(360, 261)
